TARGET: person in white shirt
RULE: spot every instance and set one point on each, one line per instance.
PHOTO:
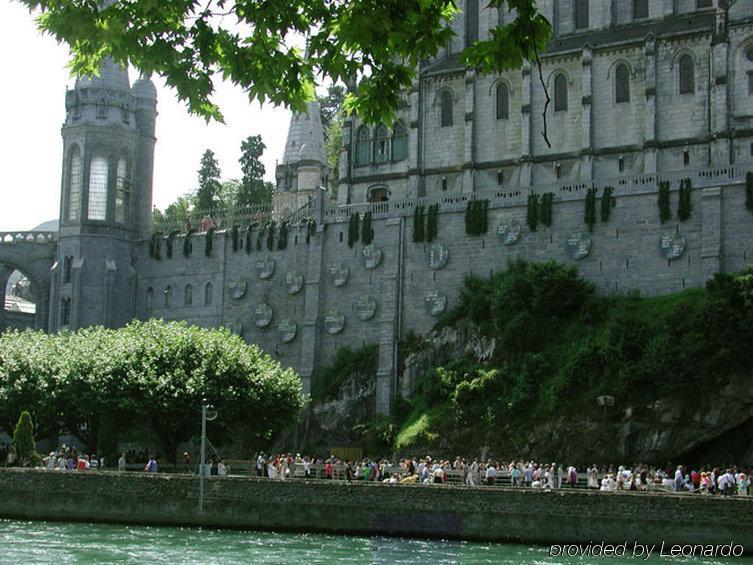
(221, 469)
(491, 474)
(122, 463)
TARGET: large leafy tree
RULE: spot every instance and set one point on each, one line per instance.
(174, 216)
(208, 192)
(260, 45)
(252, 190)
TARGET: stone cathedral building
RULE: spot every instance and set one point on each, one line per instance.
(643, 93)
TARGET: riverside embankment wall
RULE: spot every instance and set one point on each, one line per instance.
(471, 513)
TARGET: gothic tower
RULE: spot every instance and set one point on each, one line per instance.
(304, 164)
(106, 198)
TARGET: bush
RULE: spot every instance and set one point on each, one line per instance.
(326, 382)
(24, 445)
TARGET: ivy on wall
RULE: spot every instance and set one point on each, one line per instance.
(187, 247)
(607, 203)
(209, 242)
(154, 246)
(271, 236)
(235, 237)
(259, 237)
(589, 215)
(476, 217)
(282, 240)
(749, 190)
(432, 223)
(310, 230)
(419, 233)
(169, 243)
(684, 204)
(545, 208)
(353, 228)
(663, 202)
(532, 212)
(248, 240)
(367, 230)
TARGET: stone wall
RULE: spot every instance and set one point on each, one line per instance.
(472, 513)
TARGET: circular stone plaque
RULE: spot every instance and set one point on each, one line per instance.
(436, 302)
(334, 322)
(262, 315)
(672, 245)
(287, 329)
(293, 282)
(338, 274)
(238, 288)
(509, 232)
(265, 268)
(579, 245)
(365, 308)
(372, 256)
(438, 256)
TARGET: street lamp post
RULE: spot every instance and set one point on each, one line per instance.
(208, 413)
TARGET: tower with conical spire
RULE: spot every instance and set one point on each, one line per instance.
(106, 197)
(303, 169)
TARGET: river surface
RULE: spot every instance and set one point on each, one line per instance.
(60, 542)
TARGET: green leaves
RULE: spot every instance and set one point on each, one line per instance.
(257, 45)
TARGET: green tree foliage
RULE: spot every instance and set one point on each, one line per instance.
(23, 441)
(589, 214)
(332, 114)
(607, 203)
(96, 383)
(419, 230)
(545, 208)
(684, 203)
(532, 212)
(326, 382)
(379, 43)
(208, 192)
(664, 211)
(176, 215)
(252, 190)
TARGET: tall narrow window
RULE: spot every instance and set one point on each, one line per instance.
(75, 180)
(381, 144)
(581, 14)
(444, 184)
(503, 102)
(640, 9)
(65, 314)
(622, 84)
(98, 188)
(208, 291)
(67, 269)
(188, 295)
(121, 191)
(687, 75)
(471, 21)
(560, 93)
(363, 146)
(149, 298)
(399, 142)
(750, 83)
(168, 296)
(446, 103)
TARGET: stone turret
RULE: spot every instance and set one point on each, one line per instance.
(303, 169)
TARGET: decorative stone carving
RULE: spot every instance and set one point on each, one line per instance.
(338, 274)
(436, 302)
(293, 282)
(439, 255)
(238, 288)
(672, 245)
(372, 256)
(365, 308)
(265, 267)
(334, 322)
(262, 315)
(509, 232)
(287, 329)
(579, 245)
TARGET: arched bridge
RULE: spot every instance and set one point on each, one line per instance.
(32, 253)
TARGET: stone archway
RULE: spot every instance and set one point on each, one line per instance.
(32, 254)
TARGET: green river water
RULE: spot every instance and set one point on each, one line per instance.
(59, 542)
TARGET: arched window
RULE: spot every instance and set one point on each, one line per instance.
(149, 297)
(188, 295)
(98, 188)
(503, 102)
(446, 103)
(471, 21)
(363, 146)
(622, 84)
(121, 191)
(381, 144)
(75, 181)
(581, 14)
(168, 296)
(208, 292)
(444, 184)
(378, 194)
(687, 75)
(560, 93)
(399, 142)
